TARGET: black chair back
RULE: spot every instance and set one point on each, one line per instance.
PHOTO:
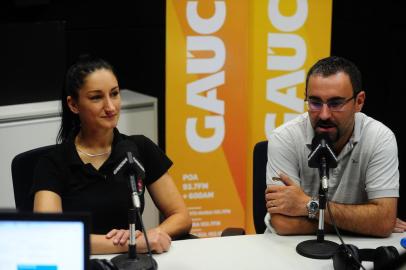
(22, 171)
(259, 185)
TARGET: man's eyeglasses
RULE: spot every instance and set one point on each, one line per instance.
(334, 105)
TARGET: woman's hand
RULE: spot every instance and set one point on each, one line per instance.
(120, 237)
(159, 241)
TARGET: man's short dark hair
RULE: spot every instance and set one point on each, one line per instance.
(334, 64)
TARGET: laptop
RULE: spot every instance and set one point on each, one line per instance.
(32, 241)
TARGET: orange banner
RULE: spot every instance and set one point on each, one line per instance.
(235, 70)
(289, 37)
(206, 112)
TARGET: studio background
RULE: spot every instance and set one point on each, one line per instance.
(41, 38)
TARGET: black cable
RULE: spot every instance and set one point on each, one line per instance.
(339, 235)
(141, 193)
(146, 239)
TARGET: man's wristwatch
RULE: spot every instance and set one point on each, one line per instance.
(312, 208)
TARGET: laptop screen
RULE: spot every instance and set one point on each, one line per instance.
(44, 241)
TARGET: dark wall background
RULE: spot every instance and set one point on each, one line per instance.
(40, 38)
(373, 35)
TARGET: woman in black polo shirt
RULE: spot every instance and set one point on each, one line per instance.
(78, 175)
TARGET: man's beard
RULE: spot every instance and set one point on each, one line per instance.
(334, 137)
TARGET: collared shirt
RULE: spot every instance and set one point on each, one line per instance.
(367, 165)
(85, 189)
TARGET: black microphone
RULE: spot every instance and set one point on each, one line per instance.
(322, 157)
(135, 171)
(130, 165)
(321, 148)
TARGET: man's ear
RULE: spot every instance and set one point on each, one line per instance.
(73, 106)
(359, 101)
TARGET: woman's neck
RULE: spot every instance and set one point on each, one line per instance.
(91, 139)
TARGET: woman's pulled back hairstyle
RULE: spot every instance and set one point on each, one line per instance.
(74, 81)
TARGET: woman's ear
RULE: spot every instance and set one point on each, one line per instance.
(73, 106)
(359, 101)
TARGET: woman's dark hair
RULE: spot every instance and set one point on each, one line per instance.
(74, 81)
(334, 64)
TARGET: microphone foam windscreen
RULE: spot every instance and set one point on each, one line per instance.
(124, 146)
(317, 139)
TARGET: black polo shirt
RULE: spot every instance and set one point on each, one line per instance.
(105, 195)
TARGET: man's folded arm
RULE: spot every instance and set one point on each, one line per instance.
(375, 218)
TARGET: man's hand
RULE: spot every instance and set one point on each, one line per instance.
(400, 226)
(289, 200)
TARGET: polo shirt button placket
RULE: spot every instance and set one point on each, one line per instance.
(335, 171)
